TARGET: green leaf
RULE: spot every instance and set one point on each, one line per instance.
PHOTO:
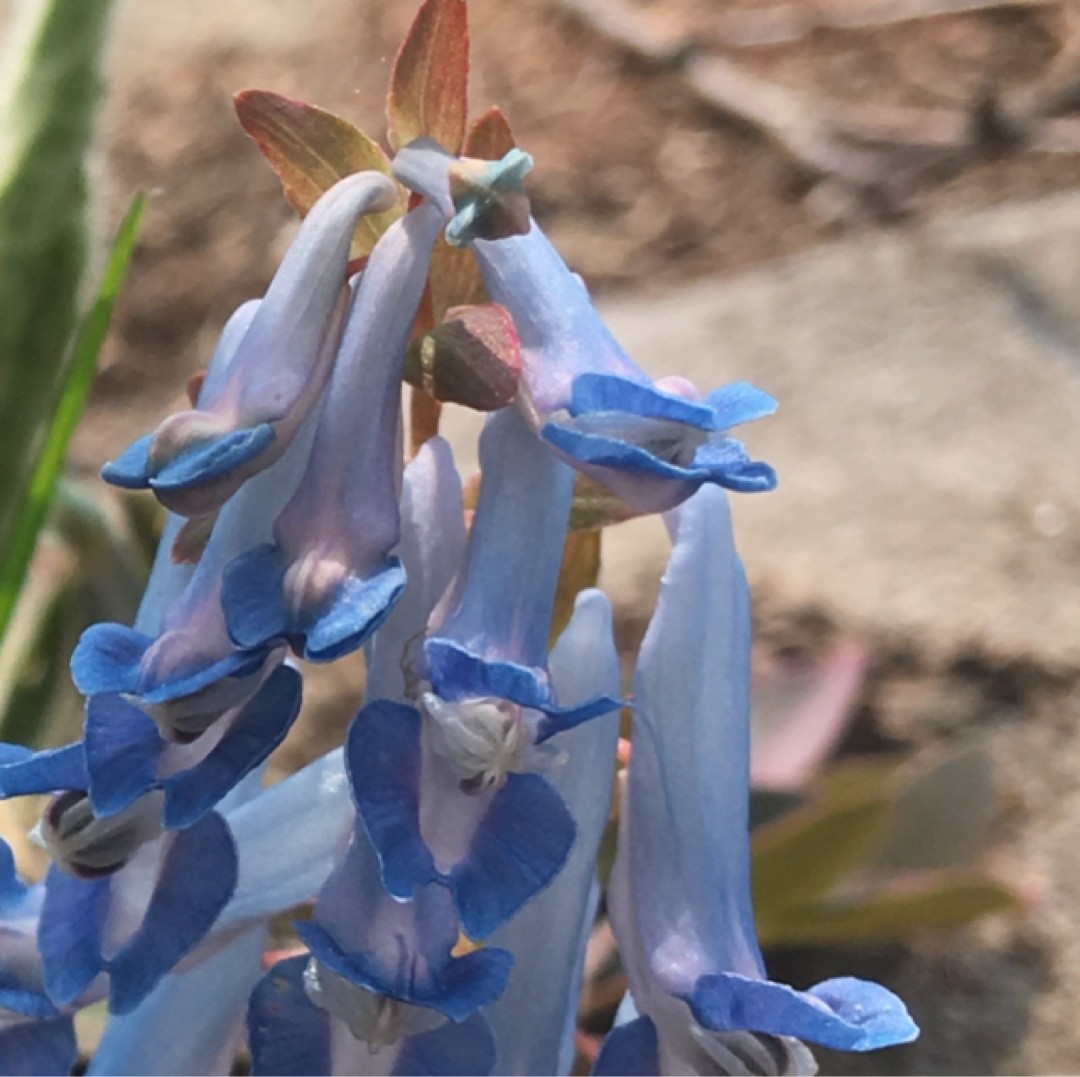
(928, 901)
(65, 413)
(310, 150)
(945, 815)
(801, 856)
(429, 85)
(49, 92)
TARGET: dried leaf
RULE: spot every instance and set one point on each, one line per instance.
(310, 150)
(580, 569)
(473, 358)
(429, 84)
(928, 901)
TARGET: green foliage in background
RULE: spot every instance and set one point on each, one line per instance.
(50, 91)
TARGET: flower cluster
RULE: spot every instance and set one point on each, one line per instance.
(450, 845)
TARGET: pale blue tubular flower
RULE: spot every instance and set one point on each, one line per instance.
(328, 580)
(36, 1038)
(287, 840)
(491, 637)
(451, 792)
(196, 460)
(178, 664)
(680, 892)
(138, 931)
(535, 1018)
(653, 444)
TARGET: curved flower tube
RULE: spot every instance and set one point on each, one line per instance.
(178, 663)
(328, 580)
(196, 460)
(680, 893)
(653, 444)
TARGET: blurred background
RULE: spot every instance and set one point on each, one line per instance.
(871, 209)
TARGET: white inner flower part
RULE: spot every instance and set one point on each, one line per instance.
(485, 740)
(675, 443)
(749, 1054)
(88, 846)
(373, 1018)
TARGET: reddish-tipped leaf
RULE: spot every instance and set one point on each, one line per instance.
(430, 82)
(310, 150)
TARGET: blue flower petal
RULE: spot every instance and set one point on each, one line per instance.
(13, 890)
(26, 1003)
(289, 1034)
(25, 773)
(356, 611)
(257, 616)
(38, 1048)
(69, 933)
(197, 879)
(383, 758)
(122, 750)
(452, 1050)
(107, 659)
(255, 732)
(630, 1050)
(206, 461)
(610, 393)
(455, 986)
(252, 599)
(131, 469)
(458, 673)
(236, 664)
(737, 403)
(845, 1014)
(521, 843)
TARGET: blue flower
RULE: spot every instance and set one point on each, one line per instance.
(534, 1020)
(491, 639)
(36, 1037)
(680, 891)
(382, 971)
(653, 444)
(328, 580)
(178, 663)
(134, 903)
(281, 355)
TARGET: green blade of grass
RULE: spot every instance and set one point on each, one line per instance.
(68, 408)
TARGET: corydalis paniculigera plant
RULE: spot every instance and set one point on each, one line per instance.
(450, 844)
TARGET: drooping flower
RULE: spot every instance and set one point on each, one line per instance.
(680, 892)
(652, 443)
(451, 791)
(383, 991)
(178, 664)
(126, 903)
(196, 460)
(328, 579)
(535, 1018)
